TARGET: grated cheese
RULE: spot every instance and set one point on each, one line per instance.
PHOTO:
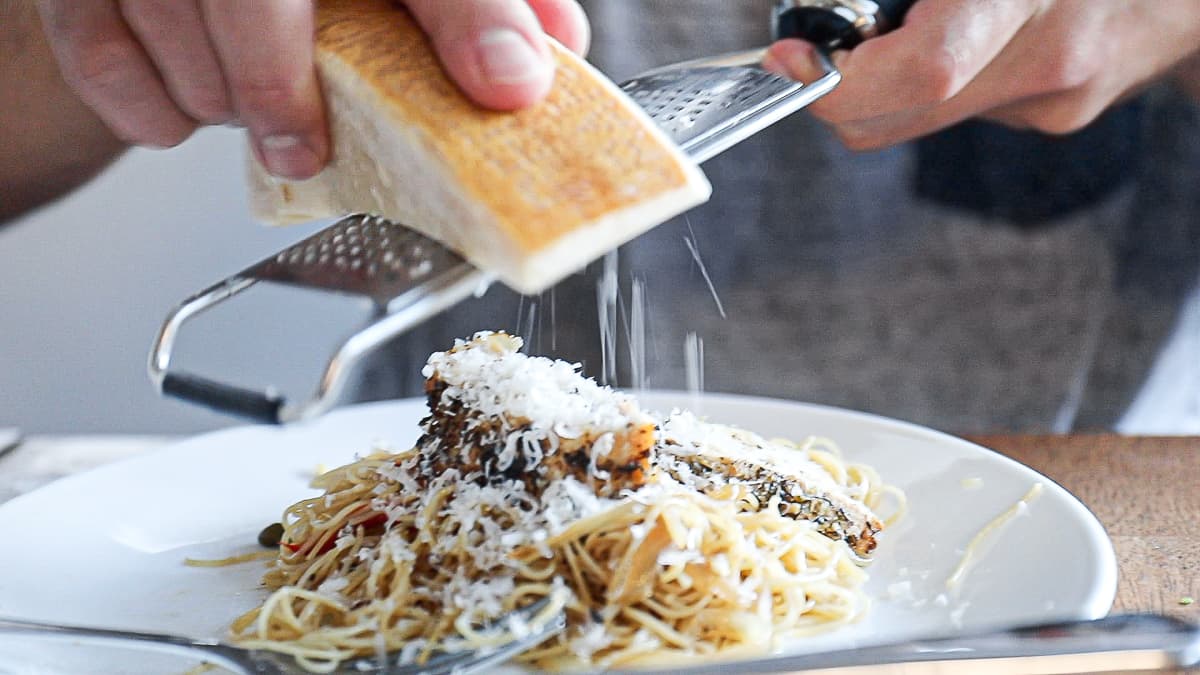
(593, 638)
(490, 376)
(333, 586)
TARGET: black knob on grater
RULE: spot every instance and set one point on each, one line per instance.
(837, 24)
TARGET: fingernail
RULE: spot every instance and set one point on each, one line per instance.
(288, 156)
(508, 58)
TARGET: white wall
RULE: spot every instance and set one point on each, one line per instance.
(85, 282)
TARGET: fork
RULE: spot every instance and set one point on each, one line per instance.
(261, 662)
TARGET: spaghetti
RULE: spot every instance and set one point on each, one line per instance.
(707, 548)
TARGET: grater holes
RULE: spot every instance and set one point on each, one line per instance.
(370, 252)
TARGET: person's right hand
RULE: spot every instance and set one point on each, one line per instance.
(155, 70)
(1049, 65)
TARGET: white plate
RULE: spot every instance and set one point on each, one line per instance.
(106, 548)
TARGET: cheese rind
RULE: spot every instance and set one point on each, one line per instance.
(530, 195)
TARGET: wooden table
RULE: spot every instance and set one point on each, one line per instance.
(1146, 492)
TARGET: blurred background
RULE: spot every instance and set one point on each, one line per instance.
(980, 280)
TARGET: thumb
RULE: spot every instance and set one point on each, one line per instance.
(494, 49)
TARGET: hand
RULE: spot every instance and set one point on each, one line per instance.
(1050, 65)
(155, 70)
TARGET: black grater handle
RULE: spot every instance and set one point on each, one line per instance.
(837, 24)
(893, 12)
(258, 406)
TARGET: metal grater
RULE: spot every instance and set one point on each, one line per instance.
(706, 106)
(709, 105)
(362, 255)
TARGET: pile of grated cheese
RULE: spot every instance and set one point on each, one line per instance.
(490, 375)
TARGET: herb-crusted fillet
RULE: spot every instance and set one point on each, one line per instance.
(725, 461)
(498, 415)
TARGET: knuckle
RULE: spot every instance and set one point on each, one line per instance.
(1070, 67)
(1064, 118)
(152, 19)
(858, 139)
(100, 65)
(939, 76)
(266, 93)
(172, 139)
(155, 137)
(61, 21)
(206, 106)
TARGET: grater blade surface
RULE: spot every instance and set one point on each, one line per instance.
(360, 255)
(708, 105)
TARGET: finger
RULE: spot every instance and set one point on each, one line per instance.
(1060, 113)
(105, 66)
(1047, 84)
(942, 46)
(174, 35)
(888, 130)
(495, 49)
(266, 53)
(565, 21)
(881, 132)
(1088, 70)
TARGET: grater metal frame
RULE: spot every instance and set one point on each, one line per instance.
(422, 289)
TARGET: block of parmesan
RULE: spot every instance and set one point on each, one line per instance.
(531, 195)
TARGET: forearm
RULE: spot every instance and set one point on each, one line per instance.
(50, 142)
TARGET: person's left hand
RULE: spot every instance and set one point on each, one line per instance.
(156, 70)
(1050, 65)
